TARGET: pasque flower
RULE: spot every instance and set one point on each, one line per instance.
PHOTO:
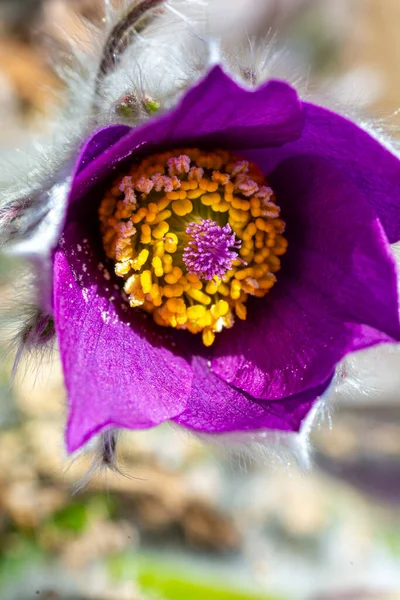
(214, 265)
(195, 338)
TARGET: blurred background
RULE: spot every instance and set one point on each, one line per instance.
(189, 521)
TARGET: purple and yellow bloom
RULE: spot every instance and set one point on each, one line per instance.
(216, 263)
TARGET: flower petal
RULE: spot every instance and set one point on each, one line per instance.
(372, 166)
(120, 370)
(217, 111)
(337, 290)
(99, 143)
(216, 407)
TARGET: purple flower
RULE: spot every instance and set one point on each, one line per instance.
(128, 364)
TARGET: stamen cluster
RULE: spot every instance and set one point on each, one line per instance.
(193, 234)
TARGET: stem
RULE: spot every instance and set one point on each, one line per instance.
(118, 39)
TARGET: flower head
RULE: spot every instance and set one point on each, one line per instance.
(130, 358)
(259, 221)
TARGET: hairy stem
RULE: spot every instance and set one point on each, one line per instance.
(118, 40)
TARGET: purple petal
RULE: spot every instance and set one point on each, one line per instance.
(216, 111)
(373, 168)
(120, 369)
(337, 290)
(216, 407)
(99, 143)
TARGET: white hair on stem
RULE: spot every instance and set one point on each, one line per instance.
(275, 448)
(105, 461)
(360, 378)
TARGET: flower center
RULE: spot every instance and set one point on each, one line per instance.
(193, 234)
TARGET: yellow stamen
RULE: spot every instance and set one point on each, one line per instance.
(182, 207)
(208, 336)
(145, 280)
(199, 296)
(144, 219)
